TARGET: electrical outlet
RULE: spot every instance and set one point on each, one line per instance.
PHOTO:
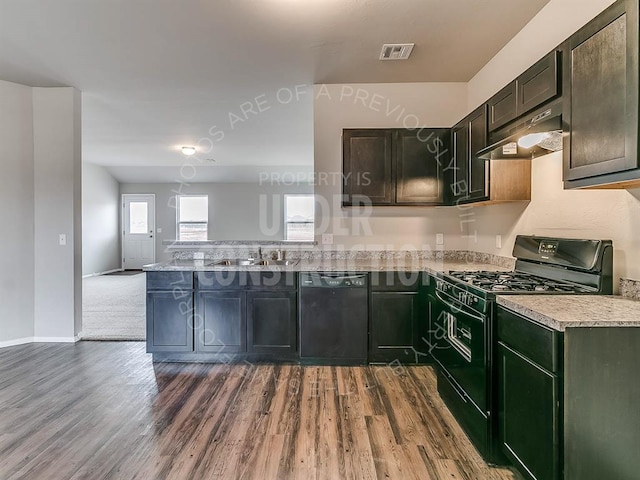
(498, 241)
(62, 239)
(439, 238)
(327, 238)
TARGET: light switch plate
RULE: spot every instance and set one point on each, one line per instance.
(62, 239)
(439, 238)
(198, 255)
(159, 230)
(498, 241)
(327, 238)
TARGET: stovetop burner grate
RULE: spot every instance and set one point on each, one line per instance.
(515, 282)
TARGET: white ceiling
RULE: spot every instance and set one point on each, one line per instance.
(158, 74)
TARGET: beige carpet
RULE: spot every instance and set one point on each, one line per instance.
(113, 307)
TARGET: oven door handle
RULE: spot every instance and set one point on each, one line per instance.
(457, 308)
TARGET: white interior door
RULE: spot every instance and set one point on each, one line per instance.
(138, 231)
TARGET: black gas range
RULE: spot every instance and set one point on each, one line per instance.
(462, 320)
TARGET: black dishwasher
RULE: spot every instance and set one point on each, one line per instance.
(333, 318)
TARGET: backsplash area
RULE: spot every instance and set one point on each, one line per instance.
(630, 288)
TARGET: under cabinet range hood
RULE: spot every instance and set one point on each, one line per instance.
(537, 133)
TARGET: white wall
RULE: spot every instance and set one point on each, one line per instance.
(100, 220)
(237, 211)
(57, 188)
(404, 105)
(553, 211)
(16, 214)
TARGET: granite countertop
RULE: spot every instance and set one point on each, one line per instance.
(334, 265)
(569, 311)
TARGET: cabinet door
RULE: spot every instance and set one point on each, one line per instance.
(271, 322)
(220, 321)
(468, 175)
(478, 168)
(457, 172)
(420, 158)
(395, 317)
(529, 423)
(169, 322)
(503, 107)
(538, 84)
(601, 98)
(366, 157)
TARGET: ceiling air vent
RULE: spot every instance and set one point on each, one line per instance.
(396, 51)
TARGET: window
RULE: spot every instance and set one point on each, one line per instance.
(193, 217)
(138, 217)
(298, 217)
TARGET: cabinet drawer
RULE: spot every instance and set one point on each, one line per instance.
(221, 280)
(390, 281)
(540, 344)
(273, 280)
(168, 281)
(242, 280)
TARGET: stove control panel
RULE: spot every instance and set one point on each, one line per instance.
(461, 295)
(468, 299)
(548, 248)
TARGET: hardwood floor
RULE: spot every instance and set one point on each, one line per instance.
(99, 410)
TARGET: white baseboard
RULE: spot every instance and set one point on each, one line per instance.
(55, 339)
(17, 341)
(103, 273)
(23, 341)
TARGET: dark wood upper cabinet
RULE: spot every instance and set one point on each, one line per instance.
(467, 175)
(367, 162)
(600, 104)
(503, 107)
(419, 164)
(536, 86)
(539, 84)
(394, 166)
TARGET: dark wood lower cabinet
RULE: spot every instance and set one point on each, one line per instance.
(271, 322)
(226, 317)
(398, 317)
(395, 318)
(169, 321)
(221, 321)
(567, 401)
(529, 398)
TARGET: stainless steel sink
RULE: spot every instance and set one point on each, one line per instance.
(282, 263)
(242, 262)
(232, 262)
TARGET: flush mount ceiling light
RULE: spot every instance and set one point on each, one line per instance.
(396, 51)
(188, 151)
